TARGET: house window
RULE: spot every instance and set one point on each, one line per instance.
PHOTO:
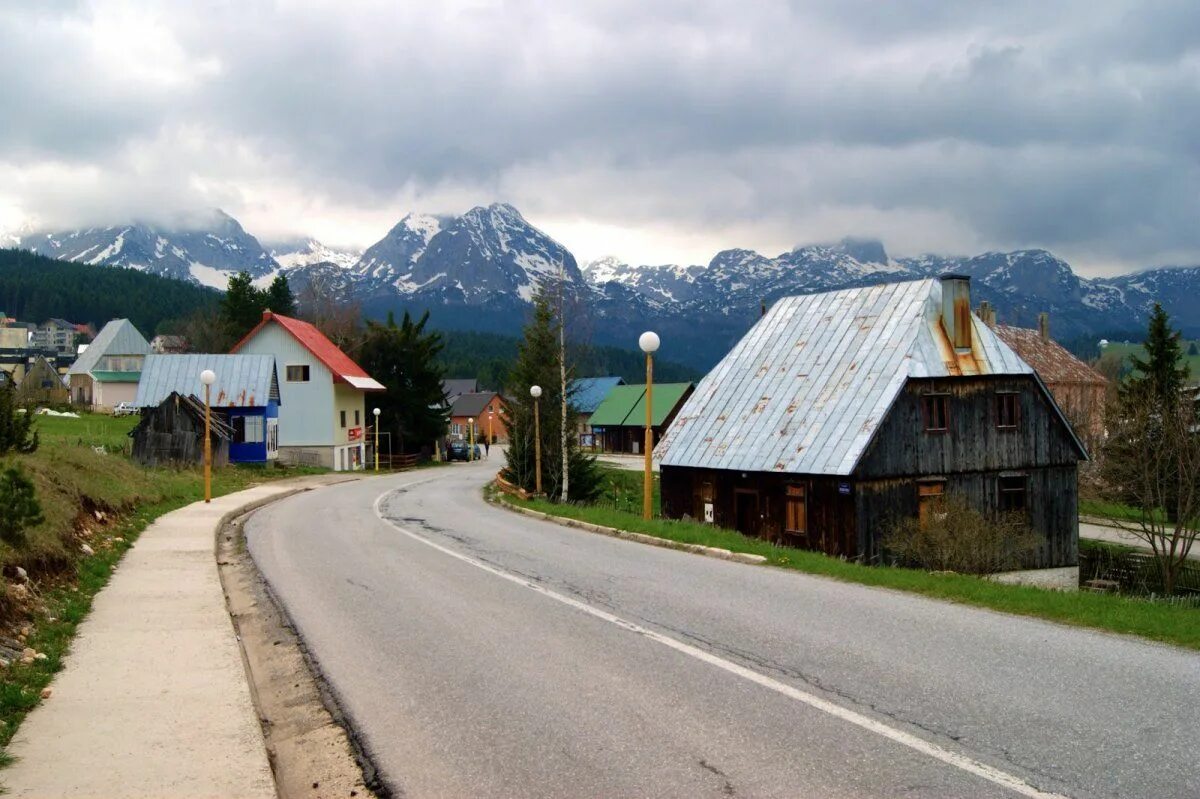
(247, 429)
(796, 511)
(298, 374)
(936, 409)
(1012, 490)
(273, 435)
(356, 419)
(928, 497)
(1008, 410)
(343, 417)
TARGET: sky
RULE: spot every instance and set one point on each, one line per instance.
(655, 131)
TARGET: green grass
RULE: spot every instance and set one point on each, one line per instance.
(1170, 624)
(90, 430)
(1127, 350)
(1105, 509)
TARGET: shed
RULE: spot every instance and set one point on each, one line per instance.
(172, 432)
(839, 414)
(245, 394)
(619, 422)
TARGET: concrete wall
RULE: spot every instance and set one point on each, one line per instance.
(106, 396)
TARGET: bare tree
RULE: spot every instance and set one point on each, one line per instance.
(340, 320)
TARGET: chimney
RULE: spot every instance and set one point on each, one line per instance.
(1044, 326)
(762, 308)
(956, 310)
(986, 315)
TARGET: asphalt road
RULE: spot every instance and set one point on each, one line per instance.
(480, 653)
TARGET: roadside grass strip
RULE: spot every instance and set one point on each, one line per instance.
(1159, 622)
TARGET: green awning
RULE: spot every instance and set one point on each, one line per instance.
(117, 377)
(666, 398)
(616, 406)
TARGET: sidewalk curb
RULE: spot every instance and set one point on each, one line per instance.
(641, 538)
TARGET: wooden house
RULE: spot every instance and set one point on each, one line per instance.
(172, 433)
(42, 384)
(619, 422)
(107, 372)
(322, 393)
(489, 411)
(840, 414)
(245, 396)
(585, 395)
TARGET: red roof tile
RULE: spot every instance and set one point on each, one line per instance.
(1051, 360)
(344, 369)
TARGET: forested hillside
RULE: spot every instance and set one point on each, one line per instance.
(34, 288)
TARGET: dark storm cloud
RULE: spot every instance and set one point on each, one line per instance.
(1066, 125)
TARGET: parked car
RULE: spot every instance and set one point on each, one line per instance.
(458, 451)
(125, 409)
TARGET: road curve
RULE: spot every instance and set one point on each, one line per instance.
(483, 654)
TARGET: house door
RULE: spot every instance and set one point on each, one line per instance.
(745, 507)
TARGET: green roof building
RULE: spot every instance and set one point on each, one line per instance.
(619, 421)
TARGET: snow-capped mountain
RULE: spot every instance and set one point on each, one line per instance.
(307, 252)
(205, 250)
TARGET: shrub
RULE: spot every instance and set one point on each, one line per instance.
(16, 424)
(21, 508)
(956, 537)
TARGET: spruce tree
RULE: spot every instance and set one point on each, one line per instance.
(16, 424)
(279, 297)
(538, 364)
(404, 358)
(242, 306)
(21, 508)
(1163, 371)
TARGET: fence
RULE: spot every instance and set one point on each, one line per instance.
(1137, 574)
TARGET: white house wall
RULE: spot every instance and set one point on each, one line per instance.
(349, 400)
(306, 410)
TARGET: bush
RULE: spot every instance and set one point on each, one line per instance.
(16, 424)
(21, 508)
(956, 537)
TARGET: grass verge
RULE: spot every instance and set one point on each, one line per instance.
(1112, 613)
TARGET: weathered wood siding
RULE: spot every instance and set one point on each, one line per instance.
(169, 434)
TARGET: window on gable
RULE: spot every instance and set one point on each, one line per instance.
(343, 417)
(298, 374)
(936, 410)
(356, 418)
(1012, 493)
(796, 510)
(1008, 410)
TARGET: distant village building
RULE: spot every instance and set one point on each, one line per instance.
(322, 393)
(455, 387)
(172, 432)
(42, 384)
(1077, 388)
(59, 335)
(107, 372)
(585, 395)
(486, 408)
(167, 344)
(840, 414)
(619, 421)
(245, 396)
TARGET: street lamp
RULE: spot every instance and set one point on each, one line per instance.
(470, 438)
(491, 439)
(208, 377)
(649, 342)
(376, 412)
(535, 392)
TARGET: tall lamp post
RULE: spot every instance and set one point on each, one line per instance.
(470, 438)
(535, 392)
(491, 433)
(376, 412)
(649, 342)
(208, 377)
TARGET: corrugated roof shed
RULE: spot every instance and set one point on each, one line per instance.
(242, 380)
(806, 388)
(1053, 362)
(118, 337)
(587, 393)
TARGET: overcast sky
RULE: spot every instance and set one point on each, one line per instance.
(654, 131)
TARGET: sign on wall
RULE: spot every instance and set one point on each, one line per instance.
(355, 433)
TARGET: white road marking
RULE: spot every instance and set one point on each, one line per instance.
(969, 765)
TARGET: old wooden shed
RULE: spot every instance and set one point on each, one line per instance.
(172, 432)
(841, 413)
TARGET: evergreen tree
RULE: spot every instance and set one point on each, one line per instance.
(1163, 371)
(1193, 350)
(279, 297)
(16, 429)
(538, 365)
(21, 508)
(242, 306)
(404, 359)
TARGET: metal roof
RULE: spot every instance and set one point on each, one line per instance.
(805, 389)
(666, 397)
(455, 387)
(106, 376)
(344, 369)
(118, 337)
(242, 380)
(616, 407)
(587, 393)
(473, 404)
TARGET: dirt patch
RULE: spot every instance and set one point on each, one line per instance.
(310, 751)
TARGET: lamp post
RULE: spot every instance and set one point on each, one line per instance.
(491, 439)
(649, 342)
(535, 392)
(208, 377)
(470, 438)
(376, 412)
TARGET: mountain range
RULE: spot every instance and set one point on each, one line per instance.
(479, 270)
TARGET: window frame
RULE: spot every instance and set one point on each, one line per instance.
(927, 414)
(1003, 492)
(342, 417)
(795, 494)
(1007, 403)
(928, 492)
(305, 372)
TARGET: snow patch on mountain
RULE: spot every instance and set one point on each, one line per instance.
(306, 252)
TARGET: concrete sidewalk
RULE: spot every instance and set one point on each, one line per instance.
(153, 698)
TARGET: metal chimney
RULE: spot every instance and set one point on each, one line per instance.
(956, 310)
(1044, 325)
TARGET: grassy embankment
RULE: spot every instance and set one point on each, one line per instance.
(99, 498)
(620, 507)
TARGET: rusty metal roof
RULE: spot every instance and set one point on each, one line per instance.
(243, 381)
(807, 386)
(1051, 360)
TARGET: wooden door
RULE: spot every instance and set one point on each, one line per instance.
(745, 505)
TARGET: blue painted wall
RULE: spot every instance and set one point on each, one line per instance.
(253, 452)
